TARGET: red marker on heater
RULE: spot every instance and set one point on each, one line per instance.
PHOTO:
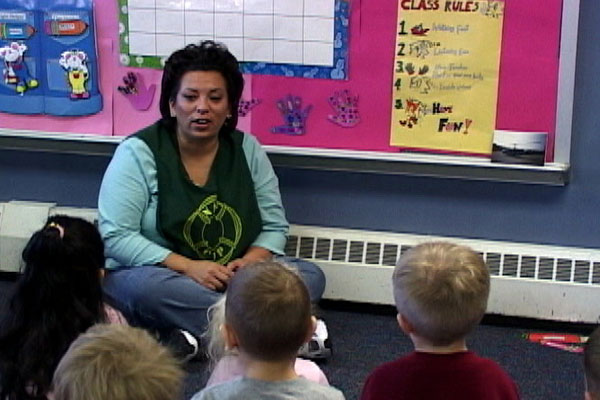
(555, 337)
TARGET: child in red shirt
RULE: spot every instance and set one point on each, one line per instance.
(441, 292)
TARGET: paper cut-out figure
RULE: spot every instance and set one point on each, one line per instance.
(410, 69)
(246, 106)
(346, 106)
(418, 30)
(136, 92)
(75, 63)
(420, 48)
(414, 110)
(492, 9)
(293, 115)
(15, 69)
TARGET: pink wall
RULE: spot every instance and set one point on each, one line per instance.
(527, 92)
(526, 99)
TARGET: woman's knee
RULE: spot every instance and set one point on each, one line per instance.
(138, 288)
(311, 273)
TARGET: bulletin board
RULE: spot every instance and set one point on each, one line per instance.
(534, 94)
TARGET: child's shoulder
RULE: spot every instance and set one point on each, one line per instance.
(310, 371)
(314, 390)
(431, 374)
(244, 388)
(417, 362)
(483, 364)
(223, 390)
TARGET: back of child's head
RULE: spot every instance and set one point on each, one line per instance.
(591, 364)
(117, 362)
(63, 262)
(442, 290)
(268, 308)
(57, 297)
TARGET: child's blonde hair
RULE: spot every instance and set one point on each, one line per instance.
(591, 364)
(268, 307)
(215, 343)
(442, 290)
(117, 362)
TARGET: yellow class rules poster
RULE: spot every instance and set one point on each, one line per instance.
(446, 69)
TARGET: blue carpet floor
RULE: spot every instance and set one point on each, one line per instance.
(363, 339)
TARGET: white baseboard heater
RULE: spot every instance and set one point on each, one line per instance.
(528, 280)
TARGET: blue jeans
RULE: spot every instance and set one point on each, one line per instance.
(161, 299)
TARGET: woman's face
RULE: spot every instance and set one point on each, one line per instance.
(201, 105)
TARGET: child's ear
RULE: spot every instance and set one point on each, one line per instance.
(588, 396)
(405, 324)
(229, 336)
(311, 329)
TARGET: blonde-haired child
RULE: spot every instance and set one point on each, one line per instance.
(441, 291)
(117, 362)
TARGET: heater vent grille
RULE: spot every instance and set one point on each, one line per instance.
(504, 259)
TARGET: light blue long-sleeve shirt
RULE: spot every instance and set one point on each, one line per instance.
(129, 196)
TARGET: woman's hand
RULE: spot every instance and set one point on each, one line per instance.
(254, 254)
(209, 274)
(234, 265)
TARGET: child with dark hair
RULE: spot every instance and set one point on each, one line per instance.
(267, 318)
(57, 297)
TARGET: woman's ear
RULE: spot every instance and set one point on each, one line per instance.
(172, 108)
(229, 336)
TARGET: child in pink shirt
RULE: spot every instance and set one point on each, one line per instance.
(227, 365)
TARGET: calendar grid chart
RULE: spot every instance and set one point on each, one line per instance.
(200, 20)
(290, 34)
(312, 56)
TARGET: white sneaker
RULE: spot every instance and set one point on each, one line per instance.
(182, 344)
(319, 346)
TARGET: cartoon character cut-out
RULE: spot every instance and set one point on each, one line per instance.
(15, 69)
(75, 63)
(414, 110)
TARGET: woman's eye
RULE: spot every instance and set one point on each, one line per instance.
(189, 97)
(216, 98)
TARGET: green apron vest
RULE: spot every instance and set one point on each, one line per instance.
(216, 222)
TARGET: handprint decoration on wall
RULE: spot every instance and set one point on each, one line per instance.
(135, 90)
(294, 116)
(345, 104)
(246, 106)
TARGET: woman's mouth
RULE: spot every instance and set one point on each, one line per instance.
(200, 122)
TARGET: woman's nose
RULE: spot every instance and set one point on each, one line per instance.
(202, 105)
